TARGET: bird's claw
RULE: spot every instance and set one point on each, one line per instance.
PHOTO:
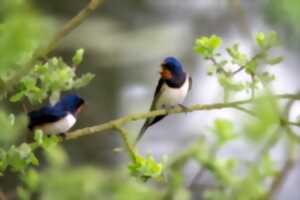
(63, 136)
(184, 108)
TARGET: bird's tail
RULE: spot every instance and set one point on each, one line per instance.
(148, 122)
(142, 131)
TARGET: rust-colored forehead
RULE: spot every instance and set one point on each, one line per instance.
(166, 74)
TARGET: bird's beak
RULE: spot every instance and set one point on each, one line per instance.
(80, 109)
(165, 74)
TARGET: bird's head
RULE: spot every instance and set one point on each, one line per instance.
(71, 103)
(171, 68)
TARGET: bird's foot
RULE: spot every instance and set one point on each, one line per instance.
(168, 108)
(63, 136)
(184, 108)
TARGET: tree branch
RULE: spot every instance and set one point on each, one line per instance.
(135, 117)
(43, 52)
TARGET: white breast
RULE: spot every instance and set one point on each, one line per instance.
(60, 126)
(172, 96)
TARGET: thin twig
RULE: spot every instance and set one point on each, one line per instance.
(43, 52)
(278, 180)
(124, 135)
(255, 57)
(238, 70)
(219, 67)
(213, 153)
(245, 110)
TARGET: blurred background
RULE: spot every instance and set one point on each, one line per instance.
(125, 41)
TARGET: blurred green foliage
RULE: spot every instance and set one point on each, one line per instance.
(23, 30)
(11, 127)
(285, 14)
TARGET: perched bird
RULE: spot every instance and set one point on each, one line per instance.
(172, 88)
(57, 119)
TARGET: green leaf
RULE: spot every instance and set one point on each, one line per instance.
(237, 56)
(206, 46)
(29, 82)
(267, 41)
(31, 180)
(229, 84)
(272, 39)
(23, 194)
(275, 60)
(77, 58)
(83, 80)
(39, 137)
(41, 69)
(224, 130)
(17, 157)
(251, 66)
(145, 168)
(215, 42)
(211, 70)
(50, 141)
(267, 118)
(260, 39)
(56, 156)
(267, 166)
(17, 97)
(267, 77)
(12, 119)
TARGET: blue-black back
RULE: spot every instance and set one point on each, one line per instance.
(47, 114)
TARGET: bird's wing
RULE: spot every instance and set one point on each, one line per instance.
(46, 114)
(151, 121)
(190, 83)
(157, 93)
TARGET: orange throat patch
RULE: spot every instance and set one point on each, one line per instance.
(166, 74)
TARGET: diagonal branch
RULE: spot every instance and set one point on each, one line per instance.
(43, 52)
(124, 135)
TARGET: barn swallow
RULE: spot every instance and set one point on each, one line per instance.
(173, 86)
(57, 119)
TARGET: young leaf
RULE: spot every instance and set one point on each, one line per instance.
(83, 80)
(206, 46)
(275, 60)
(260, 39)
(77, 58)
(17, 97)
